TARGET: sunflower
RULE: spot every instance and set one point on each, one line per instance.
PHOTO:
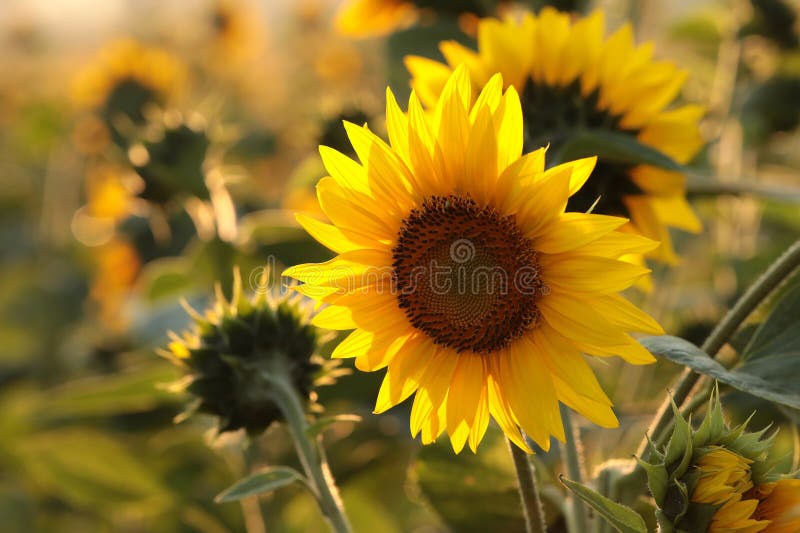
(372, 18)
(780, 505)
(107, 195)
(235, 342)
(571, 79)
(724, 479)
(117, 265)
(234, 32)
(126, 78)
(718, 479)
(461, 273)
(367, 18)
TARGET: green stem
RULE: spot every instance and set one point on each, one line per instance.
(750, 300)
(572, 458)
(698, 399)
(532, 508)
(251, 506)
(311, 457)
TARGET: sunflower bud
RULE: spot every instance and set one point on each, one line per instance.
(241, 350)
(717, 478)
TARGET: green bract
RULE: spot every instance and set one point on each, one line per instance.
(241, 350)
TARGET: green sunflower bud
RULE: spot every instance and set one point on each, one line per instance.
(241, 351)
(709, 479)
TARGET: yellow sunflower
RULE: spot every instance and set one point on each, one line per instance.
(571, 78)
(370, 18)
(117, 266)
(374, 18)
(724, 480)
(460, 271)
(780, 506)
(126, 78)
(107, 196)
(234, 32)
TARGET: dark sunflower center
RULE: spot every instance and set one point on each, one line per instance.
(466, 275)
(454, 7)
(221, 21)
(129, 97)
(551, 116)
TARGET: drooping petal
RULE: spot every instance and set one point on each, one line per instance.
(467, 386)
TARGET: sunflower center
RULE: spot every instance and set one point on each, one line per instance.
(453, 7)
(221, 21)
(129, 97)
(552, 114)
(466, 275)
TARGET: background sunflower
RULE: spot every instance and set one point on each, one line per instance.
(126, 79)
(573, 80)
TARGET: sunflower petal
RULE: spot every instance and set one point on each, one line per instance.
(403, 376)
(467, 385)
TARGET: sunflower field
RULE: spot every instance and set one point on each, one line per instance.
(400, 266)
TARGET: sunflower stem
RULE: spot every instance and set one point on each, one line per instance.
(750, 300)
(697, 400)
(532, 508)
(310, 453)
(251, 506)
(572, 458)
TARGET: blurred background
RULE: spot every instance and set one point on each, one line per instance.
(147, 147)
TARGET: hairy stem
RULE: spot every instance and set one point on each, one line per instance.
(528, 491)
(312, 457)
(572, 457)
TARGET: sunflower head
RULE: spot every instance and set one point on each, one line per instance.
(116, 267)
(572, 80)
(106, 193)
(779, 504)
(233, 32)
(235, 344)
(126, 79)
(714, 478)
(459, 270)
(171, 159)
(372, 18)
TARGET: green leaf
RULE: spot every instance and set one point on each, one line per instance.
(85, 466)
(622, 518)
(613, 146)
(687, 354)
(779, 334)
(131, 390)
(166, 278)
(770, 350)
(323, 423)
(265, 480)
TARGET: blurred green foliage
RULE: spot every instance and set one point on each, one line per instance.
(87, 439)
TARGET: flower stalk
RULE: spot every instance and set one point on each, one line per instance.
(572, 458)
(532, 508)
(320, 479)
